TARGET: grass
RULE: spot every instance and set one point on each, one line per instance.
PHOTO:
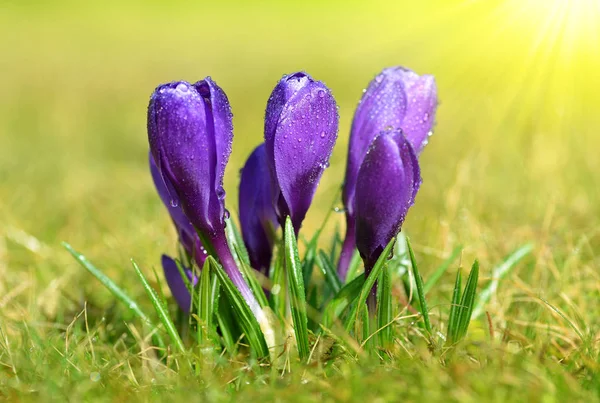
(513, 162)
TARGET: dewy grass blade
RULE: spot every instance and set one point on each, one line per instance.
(497, 275)
(467, 301)
(329, 272)
(384, 308)
(435, 277)
(242, 312)
(340, 302)
(296, 288)
(420, 288)
(368, 285)
(205, 305)
(161, 310)
(455, 308)
(115, 290)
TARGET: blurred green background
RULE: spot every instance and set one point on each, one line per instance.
(514, 157)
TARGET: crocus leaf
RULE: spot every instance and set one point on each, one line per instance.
(420, 290)
(384, 308)
(243, 314)
(368, 285)
(296, 288)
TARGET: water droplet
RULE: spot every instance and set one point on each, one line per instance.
(323, 134)
(299, 140)
(174, 203)
(275, 290)
(94, 376)
(227, 214)
(321, 93)
(379, 78)
(181, 87)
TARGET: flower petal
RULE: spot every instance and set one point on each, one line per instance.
(301, 142)
(176, 284)
(420, 113)
(258, 219)
(382, 106)
(387, 183)
(190, 134)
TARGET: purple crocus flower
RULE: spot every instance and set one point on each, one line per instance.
(258, 219)
(397, 98)
(190, 132)
(386, 187)
(301, 124)
(176, 284)
(187, 234)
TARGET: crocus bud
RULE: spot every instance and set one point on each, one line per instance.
(386, 186)
(301, 124)
(257, 213)
(190, 132)
(397, 98)
(187, 234)
(177, 284)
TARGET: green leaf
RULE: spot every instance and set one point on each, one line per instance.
(498, 274)
(384, 308)
(454, 308)
(467, 301)
(243, 315)
(353, 267)
(420, 288)
(116, 291)
(342, 300)
(236, 242)
(205, 305)
(296, 289)
(439, 272)
(278, 289)
(227, 325)
(368, 285)
(161, 309)
(240, 255)
(329, 272)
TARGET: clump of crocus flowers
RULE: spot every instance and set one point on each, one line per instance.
(190, 133)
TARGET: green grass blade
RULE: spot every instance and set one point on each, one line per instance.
(454, 308)
(205, 305)
(384, 308)
(353, 267)
(342, 300)
(242, 312)
(368, 285)
(329, 272)
(308, 262)
(115, 290)
(439, 272)
(240, 255)
(161, 310)
(278, 289)
(420, 288)
(296, 289)
(467, 301)
(497, 275)
(236, 242)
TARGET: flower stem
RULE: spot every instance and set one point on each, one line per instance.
(347, 248)
(219, 244)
